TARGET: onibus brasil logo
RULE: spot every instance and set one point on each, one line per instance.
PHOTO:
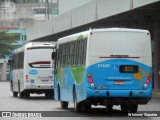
(7, 7)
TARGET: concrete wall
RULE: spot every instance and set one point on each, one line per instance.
(108, 8)
(68, 5)
(138, 3)
(42, 28)
(84, 14)
(92, 11)
(65, 20)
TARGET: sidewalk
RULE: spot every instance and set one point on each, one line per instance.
(156, 93)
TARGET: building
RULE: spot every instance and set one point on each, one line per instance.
(29, 11)
(18, 15)
(26, 12)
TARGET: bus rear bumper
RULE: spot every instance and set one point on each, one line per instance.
(39, 86)
(138, 96)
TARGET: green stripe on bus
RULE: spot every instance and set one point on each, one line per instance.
(80, 37)
(78, 73)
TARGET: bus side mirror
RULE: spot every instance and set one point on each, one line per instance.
(9, 62)
(53, 55)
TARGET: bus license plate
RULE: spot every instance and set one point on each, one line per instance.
(45, 80)
(119, 82)
(31, 81)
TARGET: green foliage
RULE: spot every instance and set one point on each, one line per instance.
(6, 41)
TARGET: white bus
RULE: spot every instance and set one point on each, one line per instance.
(32, 70)
(104, 67)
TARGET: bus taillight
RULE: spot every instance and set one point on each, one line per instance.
(90, 80)
(26, 77)
(147, 81)
(29, 48)
(148, 78)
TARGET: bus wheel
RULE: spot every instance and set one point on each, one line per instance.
(11, 85)
(77, 106)
(27, 94)
(64, 105)
(59, 93)
(133, 108)
(87, 107)
(19, 90)
(15, 94)
(109, 107)
(49, 94)
(125, 108)
(21, 94)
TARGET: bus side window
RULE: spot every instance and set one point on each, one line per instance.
(69, 62)
(59, 56)
(81, 52)
(84, 51)
(77, 53)
(74, 54)
(62, 59)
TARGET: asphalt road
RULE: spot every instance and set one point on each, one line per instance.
(41, 106)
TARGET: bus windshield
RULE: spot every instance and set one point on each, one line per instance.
(39, 57)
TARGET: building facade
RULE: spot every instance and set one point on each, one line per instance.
(19, 15)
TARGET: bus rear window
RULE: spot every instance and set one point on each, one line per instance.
(40, 64)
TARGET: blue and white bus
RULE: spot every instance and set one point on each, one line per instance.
(104, 67)
(32, 70)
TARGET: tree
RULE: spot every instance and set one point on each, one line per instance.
(6, 43)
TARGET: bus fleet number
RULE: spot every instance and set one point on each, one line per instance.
(103, 65)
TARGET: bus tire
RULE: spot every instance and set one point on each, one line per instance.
(11, 85)
(64, 105)
(133, 108)
(19, 90)
(77, 106)
(109, 107)
(27, 94)
(49, 95)
(125, 108)
(15, 94)
(87, 107)
(21, 94)
(59, 93)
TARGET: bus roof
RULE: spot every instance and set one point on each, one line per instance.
(85, 34)
(73, 37)
(31, 44)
